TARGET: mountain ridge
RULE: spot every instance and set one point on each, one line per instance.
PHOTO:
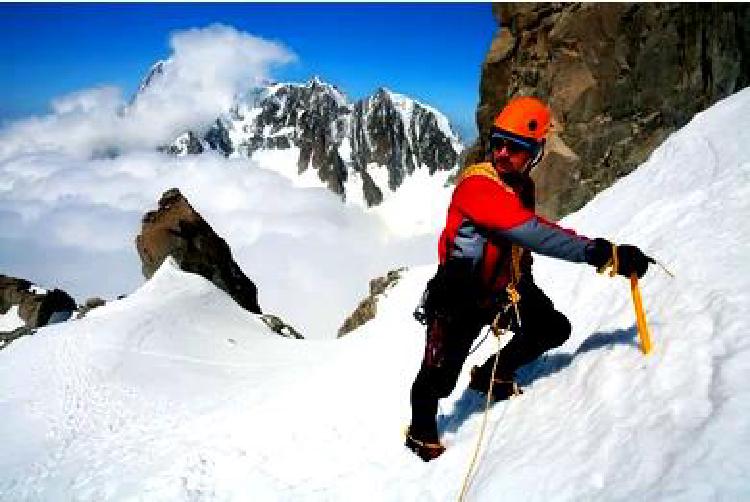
(329, 134)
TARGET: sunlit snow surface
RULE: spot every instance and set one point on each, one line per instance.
(175, 393)
(11, 320)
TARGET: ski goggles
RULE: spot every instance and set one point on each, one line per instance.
(500, 139)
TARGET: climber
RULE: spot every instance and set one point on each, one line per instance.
(484, 258)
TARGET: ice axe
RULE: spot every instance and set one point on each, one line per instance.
(640, 316)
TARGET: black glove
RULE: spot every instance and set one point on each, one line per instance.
(629, 258)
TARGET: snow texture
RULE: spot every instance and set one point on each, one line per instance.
(11, 319)
(175, 393)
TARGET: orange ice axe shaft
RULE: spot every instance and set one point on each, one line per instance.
(640, 316)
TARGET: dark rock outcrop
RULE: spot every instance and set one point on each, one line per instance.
(367, 308)
(620, 77)
(89, 305)
(278, 326)
(36, 306)
(176, 229)
(217, 138)
(8, 336)
(187, 143)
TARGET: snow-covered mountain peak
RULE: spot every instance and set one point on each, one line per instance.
(362, 151)
(153, 74)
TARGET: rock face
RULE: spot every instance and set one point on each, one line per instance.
(367, 308)
(33, 306)
(176, 229)
(619, 78)
(335, 138)
(36, 306)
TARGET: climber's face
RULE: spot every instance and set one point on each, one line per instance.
(509, 156)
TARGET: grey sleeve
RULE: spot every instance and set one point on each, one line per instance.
(549, 240)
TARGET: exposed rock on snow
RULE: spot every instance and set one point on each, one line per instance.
(176, 229)
(8, 336)
(278, 326)
(89, 305)
(36, 306)
(25, 306)
(368, 308)
(187, 143)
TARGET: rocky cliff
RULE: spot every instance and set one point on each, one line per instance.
(176, 229)
(619, 77)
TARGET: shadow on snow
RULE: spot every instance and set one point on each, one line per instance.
(472, 402)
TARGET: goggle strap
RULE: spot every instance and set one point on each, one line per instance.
(529, 145)
(532, 146)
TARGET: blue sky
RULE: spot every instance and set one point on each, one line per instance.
(432, 52)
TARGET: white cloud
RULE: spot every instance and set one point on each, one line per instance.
(206, 69)
(69, 213)
(103, 99)
(72, 224)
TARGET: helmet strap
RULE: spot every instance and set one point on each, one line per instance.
(537, 157)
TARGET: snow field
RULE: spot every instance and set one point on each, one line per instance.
(175, 393)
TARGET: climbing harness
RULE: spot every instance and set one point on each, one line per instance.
(514, 298)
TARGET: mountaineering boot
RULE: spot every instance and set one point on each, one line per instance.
(502, 388)
(426, 450)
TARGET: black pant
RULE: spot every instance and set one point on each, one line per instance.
(449, 339)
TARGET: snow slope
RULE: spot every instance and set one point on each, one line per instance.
(175, 393)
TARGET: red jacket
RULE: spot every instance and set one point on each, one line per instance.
(486, 216)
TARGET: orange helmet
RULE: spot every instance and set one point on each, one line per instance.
(526, 117)
(524, 123)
